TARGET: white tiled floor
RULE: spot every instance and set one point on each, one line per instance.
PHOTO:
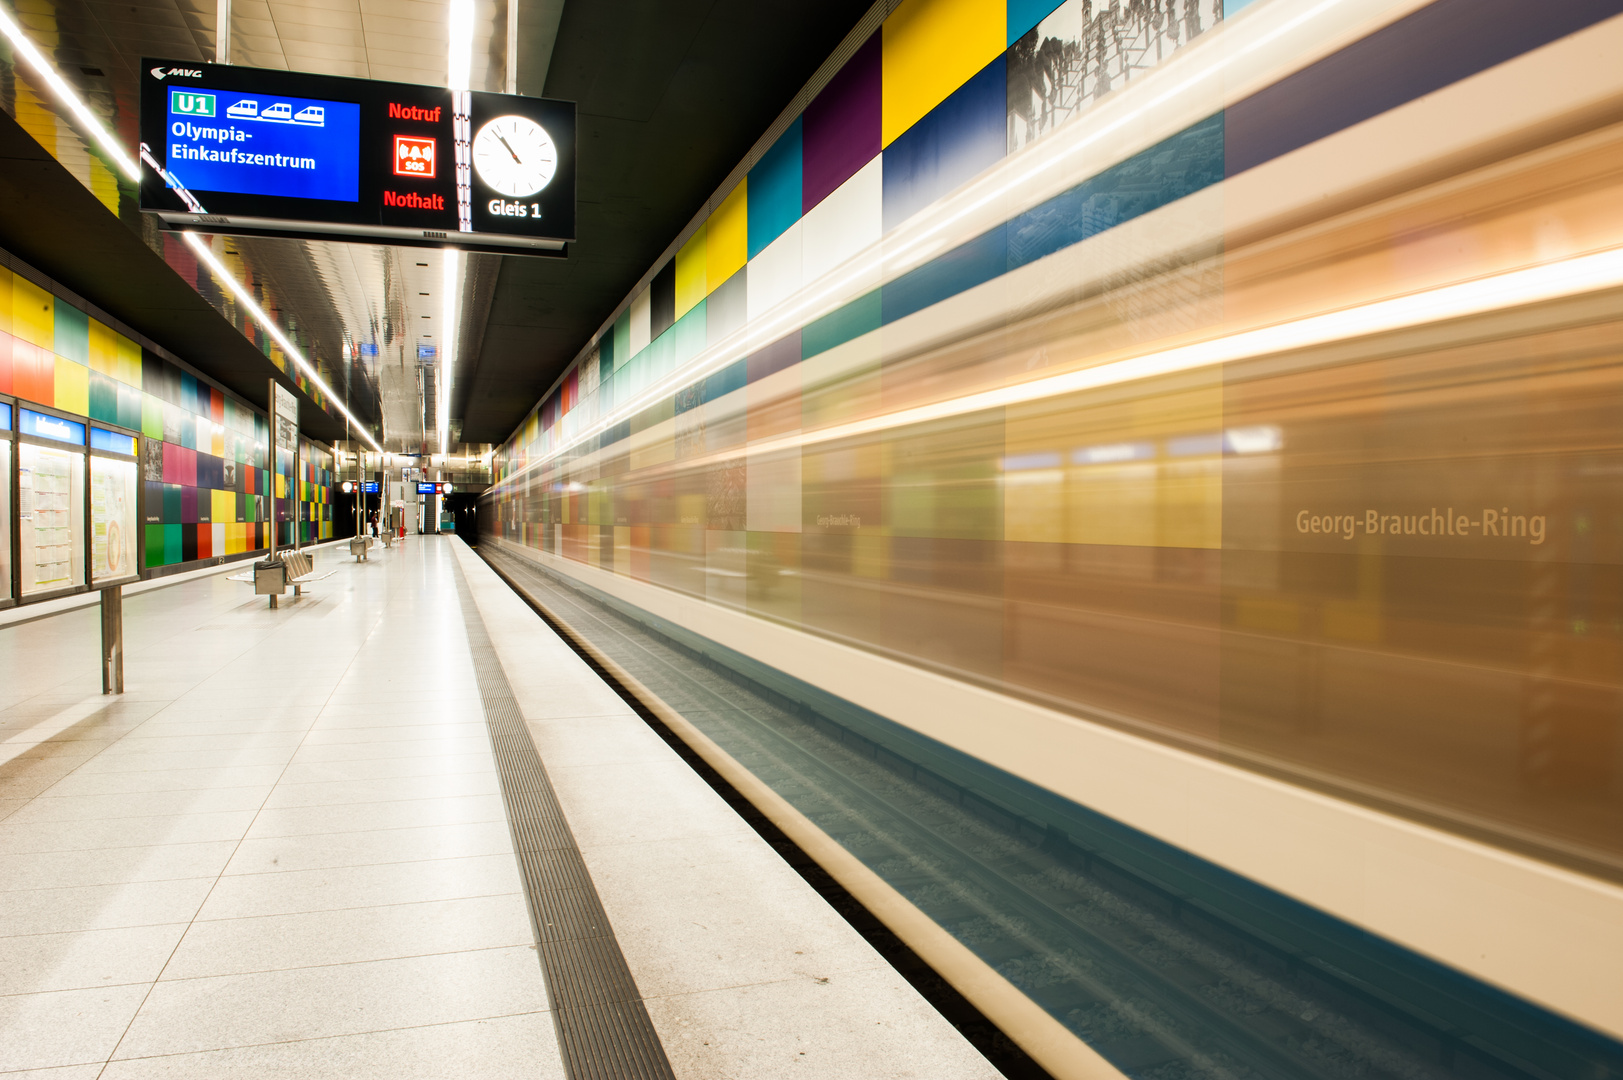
(282, 852)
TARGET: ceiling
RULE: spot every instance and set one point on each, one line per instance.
(671, 95)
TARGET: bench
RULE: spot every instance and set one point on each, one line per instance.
(297, 570)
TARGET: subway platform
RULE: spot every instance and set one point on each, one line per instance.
(396, 828)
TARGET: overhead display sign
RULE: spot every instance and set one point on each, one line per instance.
(251, 151)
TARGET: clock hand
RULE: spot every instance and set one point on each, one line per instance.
(510, 150)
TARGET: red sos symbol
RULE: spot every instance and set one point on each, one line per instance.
(414, 156)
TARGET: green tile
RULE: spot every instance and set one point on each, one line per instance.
(103, 398)
(154, 546)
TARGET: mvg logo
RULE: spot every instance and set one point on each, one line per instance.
(159, 73)
(189, 103)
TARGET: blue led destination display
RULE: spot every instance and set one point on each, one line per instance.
(254, 152)
(264, 144)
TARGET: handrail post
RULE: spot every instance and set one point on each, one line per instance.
(112, 640)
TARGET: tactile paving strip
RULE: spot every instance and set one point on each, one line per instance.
(604, 1032)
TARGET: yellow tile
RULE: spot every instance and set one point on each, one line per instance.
(5, 300)
(727, 242)
(33, 313)
(72, 387)
(931, 48)
(129, 362)
(691, 273)
(224, 506)
(103, 350)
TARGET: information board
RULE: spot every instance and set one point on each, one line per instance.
(113, 525)
(252, 151)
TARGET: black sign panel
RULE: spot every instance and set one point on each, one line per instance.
(249, 151)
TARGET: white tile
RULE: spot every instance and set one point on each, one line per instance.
(641, 321)
(775, 272)
(350, 935)
(330, 888)
(370, 848)
(72, 869)
(521, 1047)
(868, 1023)
(640, 802)
(35, 963)
(399, 814)
(67, 1027)
(189, 1015)
(143, 804)
(19, 838)
(850, 219)
(103, 907)
(596, 740)
(702, 913)
(387, 789)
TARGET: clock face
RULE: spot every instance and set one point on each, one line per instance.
(515, 156)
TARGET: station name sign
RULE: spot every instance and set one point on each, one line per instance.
(250, 151)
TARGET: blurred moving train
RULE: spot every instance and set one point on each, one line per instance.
(1240, 460)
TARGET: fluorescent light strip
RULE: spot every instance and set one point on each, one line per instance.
(245, 298)
(1512, 289)
(36, 60)
(448, 317)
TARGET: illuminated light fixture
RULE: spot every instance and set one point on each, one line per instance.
(246, 299)
(459, 57)
(36, 60)
(448, 297)
(1496, 292)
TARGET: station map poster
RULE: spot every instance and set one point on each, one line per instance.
(251, 151)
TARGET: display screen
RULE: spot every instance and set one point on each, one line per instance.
(370, 487)
(251, 151)
(264, 144)
(428, 489)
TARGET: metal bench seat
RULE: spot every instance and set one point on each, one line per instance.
(299, 569)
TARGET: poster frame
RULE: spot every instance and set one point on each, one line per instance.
(140, 505)
(19, 439)
(14, 535)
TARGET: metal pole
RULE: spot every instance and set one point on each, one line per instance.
(271, 415)
(112, 640)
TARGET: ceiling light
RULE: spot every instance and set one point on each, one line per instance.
(246, 299)
(459, 58)
(21, 43)
(449, 296)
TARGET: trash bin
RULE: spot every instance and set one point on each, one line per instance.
(270, 578)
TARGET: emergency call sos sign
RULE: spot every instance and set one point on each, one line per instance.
(251, 151)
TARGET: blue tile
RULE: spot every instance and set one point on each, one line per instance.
(1171, 169)
(964, 267)
(1024, 15)
(774, 191)
(952, 143)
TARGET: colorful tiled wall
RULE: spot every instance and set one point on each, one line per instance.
(205, 482)
(943, 90)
